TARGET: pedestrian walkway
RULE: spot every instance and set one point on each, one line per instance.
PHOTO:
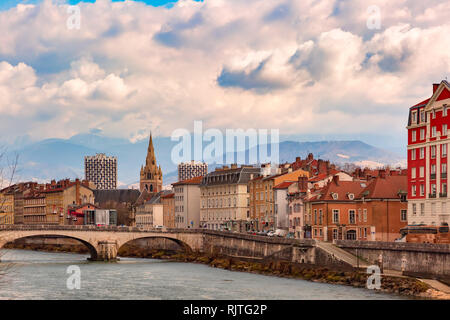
(437, 285)
(342, 255)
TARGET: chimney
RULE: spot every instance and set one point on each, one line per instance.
(336, 179)
(435, 86)
(298, 159)
(302, 182)
(77, 191)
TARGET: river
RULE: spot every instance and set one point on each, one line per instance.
(43, 275)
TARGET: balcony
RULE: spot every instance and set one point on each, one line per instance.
(433, 176)
(443, 195)
(432, 195)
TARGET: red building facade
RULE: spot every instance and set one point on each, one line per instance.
(428, 159)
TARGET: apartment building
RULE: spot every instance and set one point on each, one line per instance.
(189, 170)
(225, 198)
(262, 197)
(187, 203)
(428, 161)
(101, 170)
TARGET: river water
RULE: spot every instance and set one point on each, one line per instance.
(43, 275)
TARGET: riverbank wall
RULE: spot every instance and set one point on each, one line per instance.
(421, 260)
(307, 263)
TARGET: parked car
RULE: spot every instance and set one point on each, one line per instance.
(271, 233)
(290, 235)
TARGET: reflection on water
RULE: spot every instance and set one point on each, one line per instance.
(42, 275)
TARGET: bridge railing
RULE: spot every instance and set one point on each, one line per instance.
(245, 236)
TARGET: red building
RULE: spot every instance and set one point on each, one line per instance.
(427, 158)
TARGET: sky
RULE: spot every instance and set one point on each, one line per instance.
(305, 67)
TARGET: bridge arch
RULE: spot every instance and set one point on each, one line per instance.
(183, 245)
(92, 250)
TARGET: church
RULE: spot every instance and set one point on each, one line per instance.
(151, 174)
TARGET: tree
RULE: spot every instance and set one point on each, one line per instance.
(8, 167)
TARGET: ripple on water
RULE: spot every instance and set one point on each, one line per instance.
(43, 275)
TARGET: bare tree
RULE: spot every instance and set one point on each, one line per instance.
(8, 168)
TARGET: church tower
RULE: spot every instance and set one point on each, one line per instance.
(151, 174)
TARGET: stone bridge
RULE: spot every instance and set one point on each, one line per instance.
(104, 242)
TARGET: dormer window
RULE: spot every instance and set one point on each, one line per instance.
(351, 196)
(414, 117)
(334, 195)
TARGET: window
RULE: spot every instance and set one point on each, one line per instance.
(444, 188)
(433, 189)
(413, 154)
(422, 209)
(444, 130)
(414, 209)
(315, 216)
(422, 115)
(433, 152)
(422, 172)
(351, 216)
(433, 131)
(414, 117)
(413, 173)
(433, 169)
(320, 216)
(413, 136)
(365, 215)
(335, 234)
(433, 208)
(403, 215)
(422, 153)
(413, 191)
(422, 134)
(365, 232)
(335, 216)
(444, 168)
(444, 150)
(422, 189)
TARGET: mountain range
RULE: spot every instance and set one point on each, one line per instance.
(64, 158)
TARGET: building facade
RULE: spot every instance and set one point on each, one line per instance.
(7, 207)
(59, 196)
(225, 198)
(101, 170)
(375, 210)
(151, 178)
(262, 197)
(428, 161)
(168, 202)
(189, 170)
(187, 203)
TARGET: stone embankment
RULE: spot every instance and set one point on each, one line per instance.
(398, 285)
(389, 284)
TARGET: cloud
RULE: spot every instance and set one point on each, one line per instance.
(301, 66)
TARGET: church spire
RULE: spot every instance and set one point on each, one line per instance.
(151, 174)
